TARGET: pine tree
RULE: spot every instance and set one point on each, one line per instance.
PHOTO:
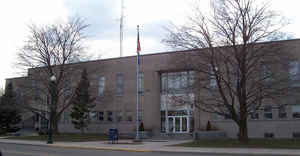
(82, 103)
(9, 113)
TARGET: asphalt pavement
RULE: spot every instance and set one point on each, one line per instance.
(33, 150)
(148, 147)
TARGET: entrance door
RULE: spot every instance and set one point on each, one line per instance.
(178, 124)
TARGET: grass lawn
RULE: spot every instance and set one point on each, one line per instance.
(254, 143)
(66, 137)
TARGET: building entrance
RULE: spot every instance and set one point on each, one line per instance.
(178, 124)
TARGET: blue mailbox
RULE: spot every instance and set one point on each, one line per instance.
(113, 135)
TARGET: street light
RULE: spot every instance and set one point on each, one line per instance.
(52, 92)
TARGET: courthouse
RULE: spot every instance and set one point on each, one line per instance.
(113, 83)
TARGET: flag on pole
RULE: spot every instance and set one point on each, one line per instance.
(138, 48)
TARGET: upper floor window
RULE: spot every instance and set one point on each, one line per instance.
(294, 70)
(101, 86)
(265, 72)
(176, 81)
(120, 84)
(212, 78)
(141, 82)
(37, 91)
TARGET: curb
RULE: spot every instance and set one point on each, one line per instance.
(102, 148)
(225, 153)
(81, 147)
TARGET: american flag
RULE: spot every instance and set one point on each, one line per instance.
(138, 48)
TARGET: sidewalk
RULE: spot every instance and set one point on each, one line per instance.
(156, 146)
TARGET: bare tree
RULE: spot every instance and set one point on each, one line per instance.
(234, 67)
(47, 52)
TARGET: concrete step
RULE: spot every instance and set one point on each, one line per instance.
(173, 136)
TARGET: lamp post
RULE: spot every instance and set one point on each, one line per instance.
(51, 86)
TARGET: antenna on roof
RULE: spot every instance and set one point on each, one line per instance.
(121, 28)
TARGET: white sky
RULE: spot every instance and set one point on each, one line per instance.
(103, 16)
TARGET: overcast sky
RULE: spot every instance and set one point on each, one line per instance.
(103, 17)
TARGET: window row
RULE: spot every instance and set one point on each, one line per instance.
(268, 113)
(120, 84)
(108, 116)
(265, 73)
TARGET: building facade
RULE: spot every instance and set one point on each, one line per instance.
(162, 77)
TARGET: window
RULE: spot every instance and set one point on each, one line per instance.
(282, 112)
(269, 135)
(172, 84)
(164, 82)
(236, 79)
(101, 86)
(191, 78)
(296, 111)
(119, 116)
(296, 135)
(120, 83)
(177, 81)
(184, 80)
(268, 112)
(37, 91)
(109, 116)
(265, 72)
(227, 116)
(162, 121)
(215, 116)
(66, 116)
(128, 116)
(254, 115)
(67, 86)
(93, 116)
(141, 83)
(213, 81)
(100, 116)
(294, 70)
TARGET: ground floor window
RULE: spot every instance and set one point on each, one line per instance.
(268, 112)
(100, 116)
(109, 116)
(296, 111)
(282, 112)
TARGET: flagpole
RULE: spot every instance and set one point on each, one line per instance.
(137, 87)
(121, 28)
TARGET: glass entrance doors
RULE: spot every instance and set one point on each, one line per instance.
(178, 124)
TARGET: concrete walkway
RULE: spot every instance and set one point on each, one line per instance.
(157, 146)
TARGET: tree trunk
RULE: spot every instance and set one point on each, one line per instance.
(243, 131)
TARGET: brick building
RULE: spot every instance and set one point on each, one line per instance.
(113, 82)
